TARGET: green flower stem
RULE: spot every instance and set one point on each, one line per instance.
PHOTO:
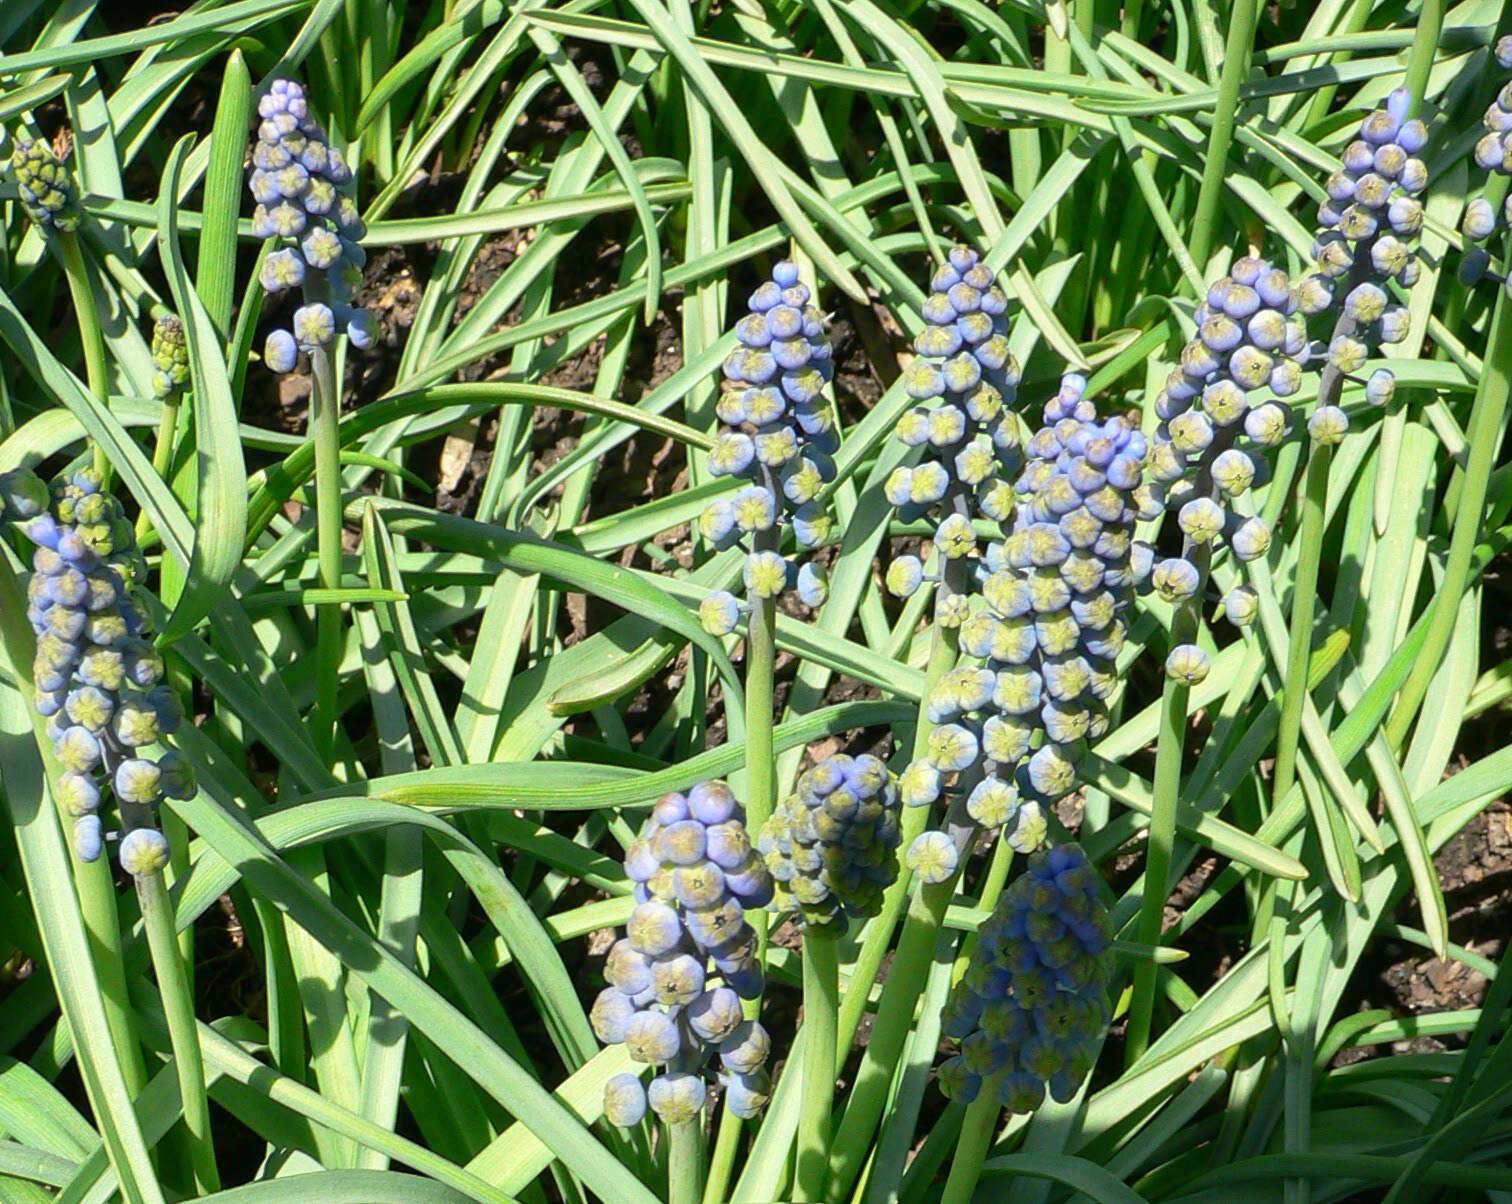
(1236, 63)
(685, 1162)
(722, 1160)
(894, 1018)
(972, 1144)
(1304, 606)
(162, 452)
(1486, 418)
(916, 942)
(1430, 24)
(183, 1032)
(325, 416)
(943, 652)
(761, 762)
(91, 337)
(1170, 746)
(93, 881)
(820, 1009)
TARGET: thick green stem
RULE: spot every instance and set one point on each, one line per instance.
(325, 416)
(975, 1139)
(162, 453)
(1430, 24)
(722, 1160)
(943, 652)
(916, 941)
(1236, 61)
(820, 1010)
(761, 762)
(183, 1032)
(91, 337)
(1486, 418)
(1304, 606)
(1170, 747)
(685, 1161)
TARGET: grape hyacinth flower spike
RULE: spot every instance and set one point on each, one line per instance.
(305, 211)
(47, 191)
(1033, 1004)
(776, 434)
(963, 377)
(832, 845)
(1012, 723)
(687, 960)
(98, 682)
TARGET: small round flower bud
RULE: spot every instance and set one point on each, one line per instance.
(1328, 425)
(1187, 664)
(624, 1100)
(719, 613)
(144, 852)
(1241, 605)
(932, 858)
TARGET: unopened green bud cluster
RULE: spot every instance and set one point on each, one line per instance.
(688, 958)
(832, 845)
(170, 357)
(47, 191)
(1033, 1004)
(98, 680)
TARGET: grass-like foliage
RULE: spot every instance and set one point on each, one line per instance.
(868, 601)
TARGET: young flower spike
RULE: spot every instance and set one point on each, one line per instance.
(832, 845)
(1033, 1005)
(47, 190)
(98, 681)
(305, 210)
(170, 357)
(777, 434)
(688, 958)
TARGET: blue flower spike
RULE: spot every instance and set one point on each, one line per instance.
(1013, 719)
(687, 960)
(1032, 1008)
(777, 434)
(832, 845)
(304, 209)
(98, 680)
(963, 378)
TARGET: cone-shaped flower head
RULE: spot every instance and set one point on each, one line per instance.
(1033, 1005)
(305, 210)
(47, 190)
(98, 680)
(776, 434)
(170, 356)
(963, 378)
(1011, 723)
(832, 845)
(688, 957)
